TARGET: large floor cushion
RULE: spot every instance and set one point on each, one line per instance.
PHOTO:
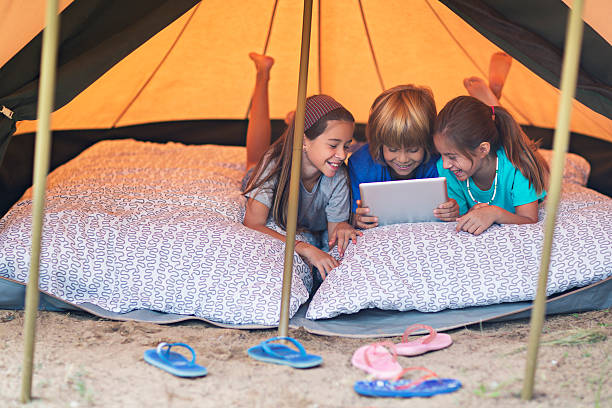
(134, 225)
(430, 267)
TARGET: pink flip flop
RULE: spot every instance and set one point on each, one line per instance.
(434, 341)
(376, 359)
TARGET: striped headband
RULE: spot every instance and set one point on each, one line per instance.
(318, 106)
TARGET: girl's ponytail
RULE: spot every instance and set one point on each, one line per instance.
(521, 151)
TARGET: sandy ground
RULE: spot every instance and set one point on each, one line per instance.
(84, 361)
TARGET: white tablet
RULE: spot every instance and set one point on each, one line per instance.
(395, 202)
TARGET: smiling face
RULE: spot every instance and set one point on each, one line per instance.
(404, 160)
(452, 159)
(327, 151)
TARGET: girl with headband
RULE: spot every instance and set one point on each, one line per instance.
(324, 202)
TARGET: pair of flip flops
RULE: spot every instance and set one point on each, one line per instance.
(380, 359)
(426, 386)
(281, 354)
(174, 363)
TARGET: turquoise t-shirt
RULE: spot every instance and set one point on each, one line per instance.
(513, 188)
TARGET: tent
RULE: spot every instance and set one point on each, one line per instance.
(593, 90)
(161, 91)
(196, 69)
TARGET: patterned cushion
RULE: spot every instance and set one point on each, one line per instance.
(430, 267)
(576, 169)
(134, 225)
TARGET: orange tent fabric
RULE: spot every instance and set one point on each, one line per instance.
(198, 68)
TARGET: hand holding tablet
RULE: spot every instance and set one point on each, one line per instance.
(447, 211)
(363, 218)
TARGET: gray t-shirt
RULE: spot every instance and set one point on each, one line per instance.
(329, 200)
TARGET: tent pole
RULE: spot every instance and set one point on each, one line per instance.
(569, 75)
(46, 92)
(296, 167)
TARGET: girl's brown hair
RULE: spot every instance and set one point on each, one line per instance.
(402, 116)
(467, 122)
(276, 162)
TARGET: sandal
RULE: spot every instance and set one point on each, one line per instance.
(174, 363)
(281, 354)
(377, 360)
(434, 341)
(426, 386)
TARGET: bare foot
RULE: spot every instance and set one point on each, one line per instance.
(498, 71)
(477, 88)
(289, 117)
(263, 63)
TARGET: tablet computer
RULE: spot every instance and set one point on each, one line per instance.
(395, 202)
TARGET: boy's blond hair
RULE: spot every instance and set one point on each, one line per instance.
(401, 117)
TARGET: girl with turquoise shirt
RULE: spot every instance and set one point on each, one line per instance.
(493, 170)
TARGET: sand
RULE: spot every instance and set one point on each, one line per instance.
(84, 361)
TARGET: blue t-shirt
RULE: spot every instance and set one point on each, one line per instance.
(513, 188)
(364, 169)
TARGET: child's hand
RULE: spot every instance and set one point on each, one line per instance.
(448, 211)
(342, 234)
(362, 219)
(478, 219)
(323, 261)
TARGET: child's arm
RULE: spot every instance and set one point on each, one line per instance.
(482, 216)
(256, 216)
(342, 233)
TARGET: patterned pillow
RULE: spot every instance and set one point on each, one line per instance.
(576, 168)
(430, 267)
(132, 225)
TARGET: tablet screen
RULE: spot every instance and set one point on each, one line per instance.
(395, 202)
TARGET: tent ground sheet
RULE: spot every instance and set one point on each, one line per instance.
(364, 324)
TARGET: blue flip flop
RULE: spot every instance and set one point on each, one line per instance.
(281, 354)
(174, 363)
(422, 387)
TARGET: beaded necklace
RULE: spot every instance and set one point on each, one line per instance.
(494, 188)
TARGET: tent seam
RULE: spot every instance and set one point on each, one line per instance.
(265, 49)
(365, 26)
(529, 122)
(319, 46)
(161, 62)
